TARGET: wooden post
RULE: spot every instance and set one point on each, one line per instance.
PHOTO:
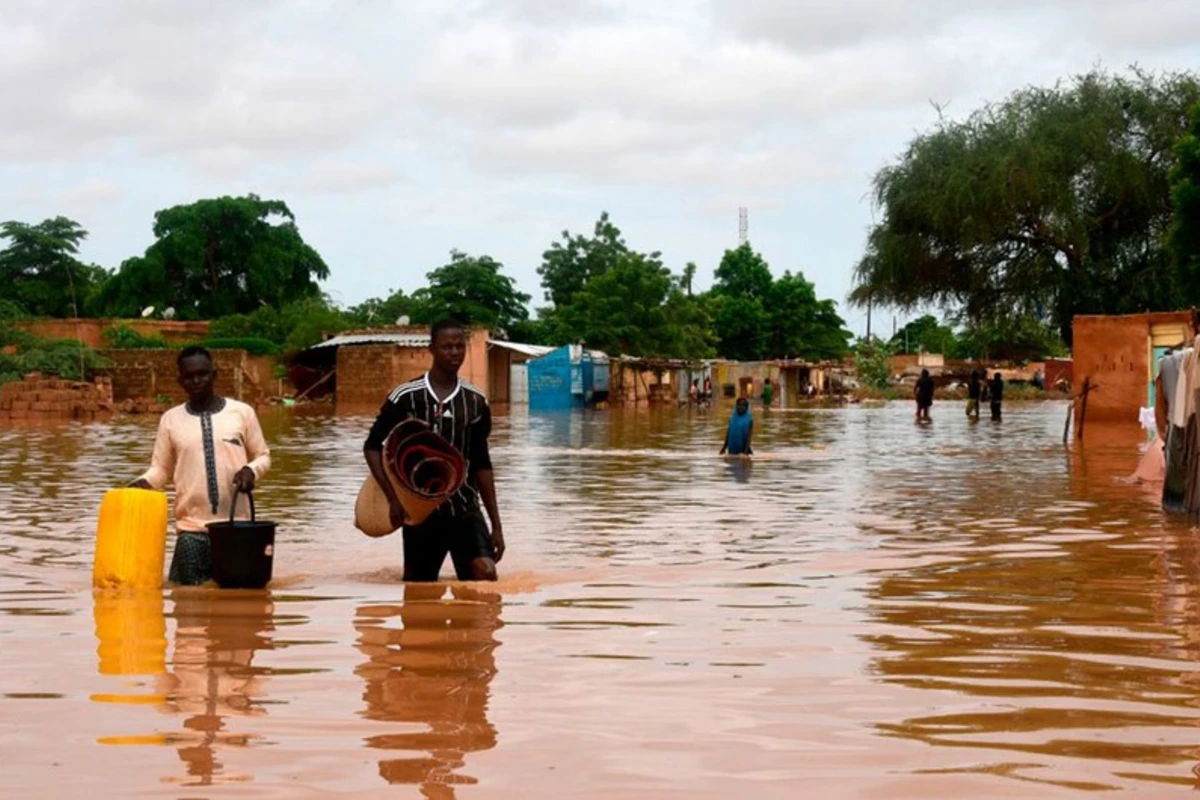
(1067, 424)
(1087, 387)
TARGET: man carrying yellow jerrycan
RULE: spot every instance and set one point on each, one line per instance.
(211, 448)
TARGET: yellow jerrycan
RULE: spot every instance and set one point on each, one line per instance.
(131, 540)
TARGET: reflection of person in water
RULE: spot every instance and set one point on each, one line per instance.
(434, 668)
(212, 677)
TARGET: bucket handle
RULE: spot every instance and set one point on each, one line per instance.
(233, 503)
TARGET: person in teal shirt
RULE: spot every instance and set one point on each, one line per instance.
(740, 430)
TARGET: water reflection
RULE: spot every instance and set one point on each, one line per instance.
(217, 635)
(131, 635)
(431, 673)
(211, 679)
(1038, 637)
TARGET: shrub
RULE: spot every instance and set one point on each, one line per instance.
(253, 345)
(123, 337)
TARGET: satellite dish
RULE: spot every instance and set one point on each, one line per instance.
(147, 311)
(403, 320)
(169, 313)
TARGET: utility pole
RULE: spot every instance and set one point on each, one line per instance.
(743, 226)
(868, 317)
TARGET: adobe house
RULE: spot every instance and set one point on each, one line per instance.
(361, 367)
(1118, 358)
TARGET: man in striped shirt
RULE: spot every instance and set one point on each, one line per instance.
(459, 413)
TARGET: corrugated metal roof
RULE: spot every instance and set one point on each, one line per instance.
(399, 339)
(531, 350)
(538, 350)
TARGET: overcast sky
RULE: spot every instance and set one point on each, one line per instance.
(399, 130)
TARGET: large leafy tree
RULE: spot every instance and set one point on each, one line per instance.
(801, 326)
(622, 310)
(925, 335)
(472, 289)
(217, 257)
(1051, 203)
(39, 269)
(740, 293)
(1185, 198)
(568, 265)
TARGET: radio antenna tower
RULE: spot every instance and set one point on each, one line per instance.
(743, 226)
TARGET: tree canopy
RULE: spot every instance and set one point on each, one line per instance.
(756, 316)
(1052, 203)
(1185, 199)
(39, 271)
(471, 289)
(211, 258)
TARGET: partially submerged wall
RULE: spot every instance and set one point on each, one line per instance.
(150, 374)
(50, 398)
(1113, 354)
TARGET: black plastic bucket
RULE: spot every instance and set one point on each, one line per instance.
(243, 553)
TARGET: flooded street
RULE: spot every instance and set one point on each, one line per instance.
(869, 610)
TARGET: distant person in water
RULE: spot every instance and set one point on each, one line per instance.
(974, 392)
(768, 393)
(923, 392)
(694, 393)
(996, 393)
(208, 448)
(740, 431)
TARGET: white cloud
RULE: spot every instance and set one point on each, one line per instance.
(474, 123)
(91, 193)
(348, 176)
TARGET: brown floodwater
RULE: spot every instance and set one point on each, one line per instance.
(870, 609)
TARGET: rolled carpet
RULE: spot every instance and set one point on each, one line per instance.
(423, 468)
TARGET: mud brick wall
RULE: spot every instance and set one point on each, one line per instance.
(367, 372)
(147, 374)
(50, 398)
(91, 331)
(1114, 354)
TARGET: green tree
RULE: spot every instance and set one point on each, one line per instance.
(871, 363)
(1054, 201)
(568, 265)
(387, 310)
(39, 270)
(292, 327)
(1185, 200)
(623, 311)
(473, 290)
(1010, 339)
(740, 318)
(926, 335)
(800, 325)
(211, 258)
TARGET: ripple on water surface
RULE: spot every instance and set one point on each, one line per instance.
(868, 609)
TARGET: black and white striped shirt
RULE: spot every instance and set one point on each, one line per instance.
(462, 418)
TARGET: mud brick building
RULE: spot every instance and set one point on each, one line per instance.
(1118, 357)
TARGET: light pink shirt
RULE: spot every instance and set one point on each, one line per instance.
(204, 480)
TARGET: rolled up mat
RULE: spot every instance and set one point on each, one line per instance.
(424, 470)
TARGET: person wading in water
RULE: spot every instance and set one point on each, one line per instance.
(740, 431)
(996, 394)
(206, 447)
(974, 392)
(923, 392)
(459, 413)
